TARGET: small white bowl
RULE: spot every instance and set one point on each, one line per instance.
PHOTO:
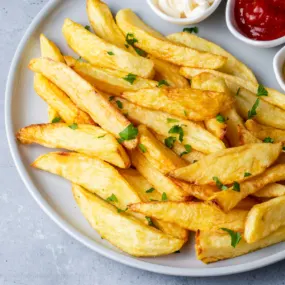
(278, 66)
(183, 21)
(232, 26)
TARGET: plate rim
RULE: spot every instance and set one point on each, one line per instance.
(73, 232)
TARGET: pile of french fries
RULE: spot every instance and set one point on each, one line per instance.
(164, 136)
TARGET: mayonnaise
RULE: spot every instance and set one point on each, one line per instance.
(184, 8)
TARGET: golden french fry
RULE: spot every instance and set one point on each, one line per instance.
(86, 139)
(97, 51)
(147, 193)
(247, 203)
(123, 230)
(262, 132)
(227, 200)
(234, 83)
(193, 215)
(271, 191)
(157, 45)
(91, 173)
(159, 122)
(215, 127)
(232, 66)
(246, 137)
(264, 218)
(160, 156)
(85, 96)
(50, 50)
(187, 103)
(215, 246)
(161, 183)
(108, 80)
(230, 165)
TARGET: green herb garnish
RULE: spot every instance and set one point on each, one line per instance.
(112, 198)
(162, 82)
(268, 140)
(236, 187)
(130, 39)
(219, 184)
(74, 126)
(111, 98)
(87, 28)
(220, 118)
(142, 147)
(100, 137)
(121, 211)
(110, 53)
(170, 120)
(129, 133)
(119, 104)
(191, 30)
(261, 91)
(247, 174)
(150, 190)
(188, 149)
(169, 142)
(177, 130)
(140, 52)
(251, 113)
(150, 223)
(56, 120)
(130, 78)
(163, 197)
(235, 237)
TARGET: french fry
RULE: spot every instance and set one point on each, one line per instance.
(108, 80)
(246, 137)
(232, 66)
(50, 50)
(123, 230)
(160, 156)
(86, 139)
(161, 183)
(234, 83)
(227, 200)
(215, 246)
(85, 96)
(264, 218)
(157, 45)
(96, 51)
(230, 165)
(187, 103)
(217, 128)
(247, 203)
(271, 191)
(91, 173)
(147, 193)
(193, 216)
(262, 132)
(194, 135)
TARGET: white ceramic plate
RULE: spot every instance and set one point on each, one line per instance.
(53, 194)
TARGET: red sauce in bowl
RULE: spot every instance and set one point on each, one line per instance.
(261, 20)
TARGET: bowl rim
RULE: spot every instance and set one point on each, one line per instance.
(230, 24)
(278, 67)
(185, 21)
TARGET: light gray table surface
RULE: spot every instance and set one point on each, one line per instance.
(33, 250)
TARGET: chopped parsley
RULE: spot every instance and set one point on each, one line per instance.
(191, 30)
(79, 58)
(238, 92)
(219, 184)
(251, 113)
(112, 198)
(110, 53)
(170, 120)
(74, 126)
(100, 137)
(220, 118)
(111, 98)
(142, 147)
(236, 187)
(56, 120)
(162, 82)
(268, 140)
(261, 91)
(150, 223)
(163, 197)
(247, 174)
(177, 130)
(130, 78)
(150, 190)
(127, 46)
(235, 236)
(188, 149)
(121, 211)
(130, 39)
(119, 104)
(169, 142)
(87, 28)
(194, 161)
(140, 52)
(185, 113)
(129, 133)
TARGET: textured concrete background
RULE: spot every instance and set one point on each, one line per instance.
(33, 250)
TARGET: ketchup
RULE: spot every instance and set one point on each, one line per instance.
(261, 20)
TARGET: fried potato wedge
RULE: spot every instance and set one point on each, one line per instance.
(264, 218)
(86, 139)
(147, 193)
(230, 165)
(85, 96)
(193, 215)
(271, 191)
(161, 183)
(108, 80)
(157, 45)
(227, 200)
(187, 103)
(262, 132)
(123, 230)
(232, 66)
(246, 137)
(160, 156)
(267, 114)
(217, 128)
(194, 135)
(91, 173)
(95, 50)
(60, 102)
(234, 83)
(215, 246)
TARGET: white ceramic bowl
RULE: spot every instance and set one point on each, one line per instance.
(278, 64)
(183, 21)
(232, 26)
